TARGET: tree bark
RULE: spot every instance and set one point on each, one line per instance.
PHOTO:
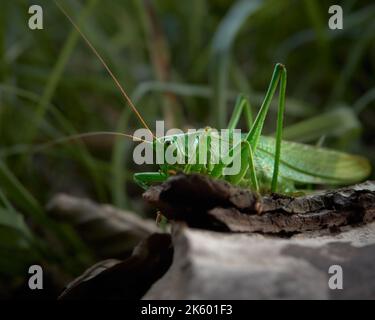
(216, 205)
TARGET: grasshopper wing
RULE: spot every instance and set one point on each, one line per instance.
(309, 164)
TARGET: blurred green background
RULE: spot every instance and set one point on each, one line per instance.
(181, 61)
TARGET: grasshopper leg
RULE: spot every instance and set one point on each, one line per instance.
(144, 179)
(279, 129)
(242, 106)
(247, 163)
(256, 129)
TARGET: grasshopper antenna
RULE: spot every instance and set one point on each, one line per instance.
(43, 146)
(114, 78)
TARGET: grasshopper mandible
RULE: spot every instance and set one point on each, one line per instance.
(267, 163)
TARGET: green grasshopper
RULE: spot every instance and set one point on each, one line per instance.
(267, 163)
(263, 166)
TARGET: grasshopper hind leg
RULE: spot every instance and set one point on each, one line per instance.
(279, 129)
(279, 75)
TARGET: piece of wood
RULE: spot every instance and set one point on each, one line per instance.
(127, 279)
(216, 265)
(109, 231)
(214, 204)
(271, 247)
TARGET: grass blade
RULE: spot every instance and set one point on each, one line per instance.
(56, 74)
(221, 45)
